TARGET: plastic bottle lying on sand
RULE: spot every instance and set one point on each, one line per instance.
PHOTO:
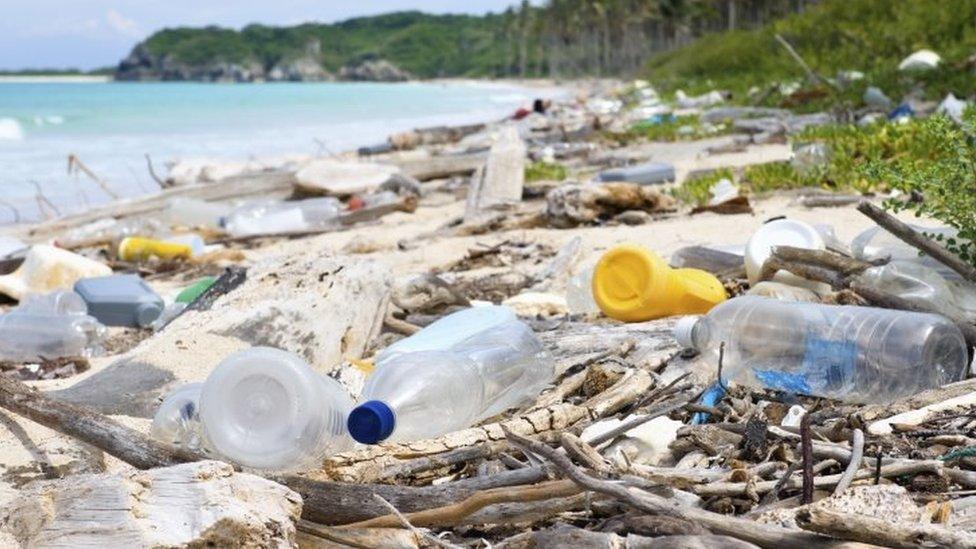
(120, 300)
(426, 394)
(191, 212)
(177, 421)
(448, 331)
(137, 248)
(634, 284)
(877, 244)
(48, 327)
(853, 354)
(643, 174)
(283, 217)
(268, 409)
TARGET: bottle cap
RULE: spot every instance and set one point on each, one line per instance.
(371, 422)
(683, 331)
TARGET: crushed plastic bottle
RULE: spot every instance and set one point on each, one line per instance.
(109, 230)
(876, 244)
(268, 409)
(177, 420)
(191, 212)
(425, 394)
(810, 157)
(651, 173)
(634, 284)
(579, 291)
(47, 327)
(269, 218)
(860, 355)
(922, 285)
(448, 331)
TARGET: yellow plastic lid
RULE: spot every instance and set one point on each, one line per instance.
(625, 281)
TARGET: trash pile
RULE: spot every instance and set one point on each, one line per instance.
(408, 346)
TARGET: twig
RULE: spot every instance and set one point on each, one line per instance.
(152, 173)
(813, 76)
(11, 207)
(773, 494)
(914, 238)
(75, 164)
(621, 429)
(454, 514)
(416, 531)
(319, 531)
(400, 326)
(43, 201)
(765, 535)
(877, 467)
(857, 452)
(806, 443)
(721, 364)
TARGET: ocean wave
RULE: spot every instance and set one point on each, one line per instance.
(10, 130)
(52, 120)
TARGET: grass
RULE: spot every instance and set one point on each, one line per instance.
(545, 171)
(675, 128)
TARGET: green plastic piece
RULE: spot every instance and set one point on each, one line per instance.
(191, 293)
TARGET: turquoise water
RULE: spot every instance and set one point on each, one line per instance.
(112, 126)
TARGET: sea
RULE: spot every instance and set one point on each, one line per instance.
(111, 127)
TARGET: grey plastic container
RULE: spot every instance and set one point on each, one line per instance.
(120, 300)
(651, 173)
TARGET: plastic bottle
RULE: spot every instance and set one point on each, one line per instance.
(46, 269)
(426, 394)
(177, 421)
(283, 217)
(633, 284)
(137, 248)
(919, 284)
(876, 244)
(109, 231)
(448, 331)
(579, 292)
(782, 232)
(713, 259)
(191, 212)
(853, 354)
(783, 292)
(643, 174)
(120, 300)
(266, 408)
(47, 327)
(195, 290)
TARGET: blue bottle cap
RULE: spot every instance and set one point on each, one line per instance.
(371, 422)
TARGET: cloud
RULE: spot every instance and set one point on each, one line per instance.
(122, 24)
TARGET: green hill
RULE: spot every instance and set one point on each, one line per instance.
(871, 36)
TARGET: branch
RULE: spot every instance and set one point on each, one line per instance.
(857, 444)
(914, 238)
(813, 76)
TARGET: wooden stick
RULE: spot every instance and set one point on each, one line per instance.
(877, 531)
(806, 444)
(857, 453)
(764, 535)
(813, 76)
(914, 238)
(75, 163)
(416, 531)
(454, 514)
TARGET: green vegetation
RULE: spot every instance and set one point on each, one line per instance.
(675, 128)
(871, 36)
(545, 171)
(696, 190)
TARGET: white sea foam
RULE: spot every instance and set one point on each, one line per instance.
(52, 120)
(10, 130)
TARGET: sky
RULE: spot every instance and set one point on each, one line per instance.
(88, 34)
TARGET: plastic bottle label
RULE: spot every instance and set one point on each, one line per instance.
(828, 367)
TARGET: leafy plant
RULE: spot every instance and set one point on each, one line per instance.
(940, 184)
(545, 171)
(673, 128)
(697, 190)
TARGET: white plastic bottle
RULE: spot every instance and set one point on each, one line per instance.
(425, 394)
(448, 331)
(266, 408)
(49, 326)
(917, 283)
(853, 354)
(283, 217)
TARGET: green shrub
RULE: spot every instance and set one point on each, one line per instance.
(545, 171)
(696, 191)
(676, 128)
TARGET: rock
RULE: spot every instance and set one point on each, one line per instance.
(501, 181)
(302, 69)
(922, 60)
(324, 309)
(426, 293)
(633, 217)
(202, 504)
(646, 444)
(338, 178)
(575, 204)
(374, 70)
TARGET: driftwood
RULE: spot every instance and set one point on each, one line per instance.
(881, 532)
(441, 167)
(568, 536)
(910, 236)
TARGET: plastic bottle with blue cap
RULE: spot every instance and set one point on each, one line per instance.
(427, 393)
(860, 355)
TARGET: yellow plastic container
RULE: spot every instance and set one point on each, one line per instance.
(633, 284)
(137, 248)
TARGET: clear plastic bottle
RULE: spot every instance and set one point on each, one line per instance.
(448, 331)
(919, 284)
(283, 217)
(425, 394)
(266, 408)
(877, 244)
(579, 291)
(177, 421)
(48, 327)
(853, 354)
